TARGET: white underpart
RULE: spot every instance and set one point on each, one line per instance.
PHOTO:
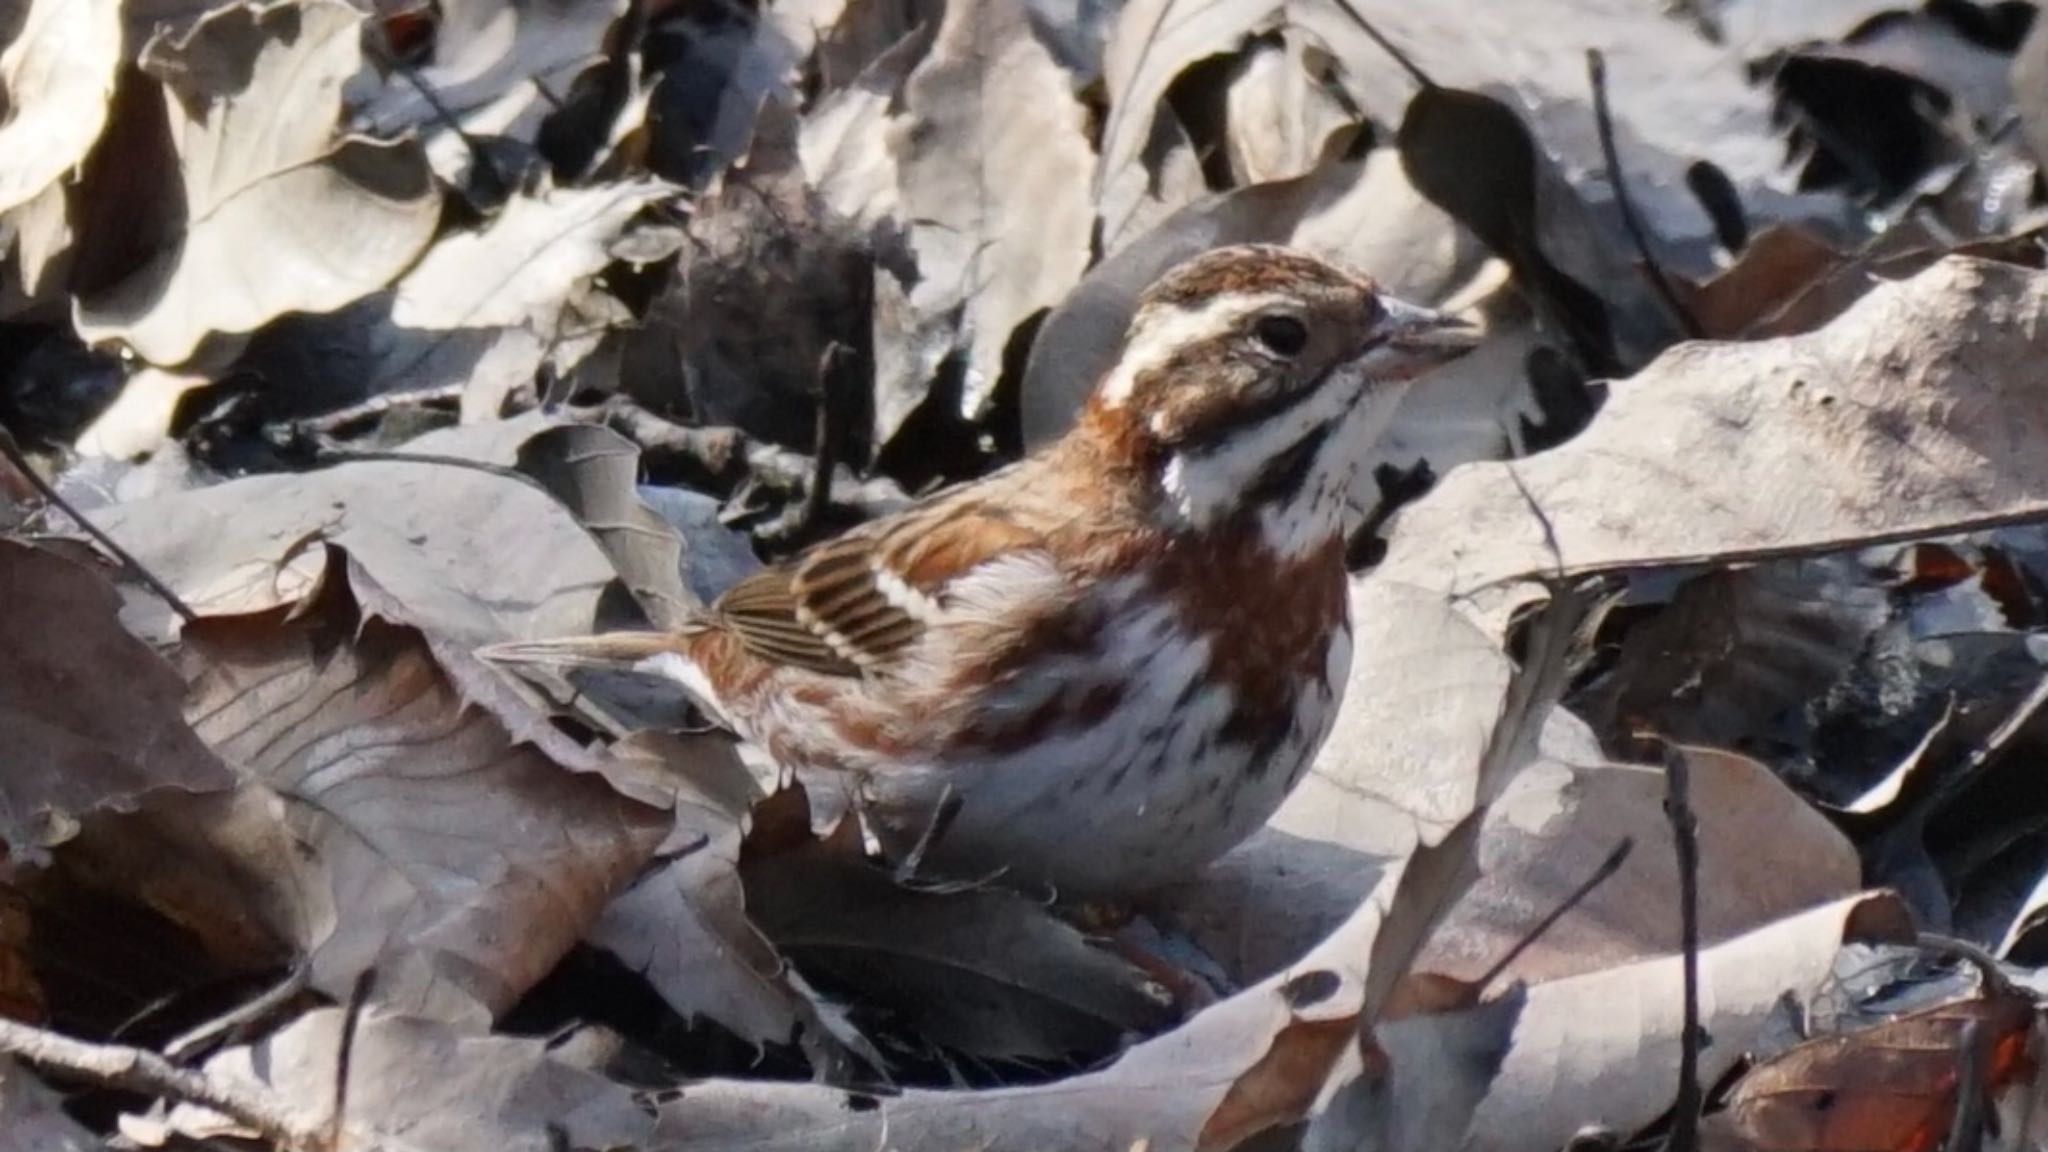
(1146, 795)
(1157, 333)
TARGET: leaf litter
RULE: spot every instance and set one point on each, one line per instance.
(383, 333)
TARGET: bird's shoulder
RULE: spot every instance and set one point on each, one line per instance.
(855, 604)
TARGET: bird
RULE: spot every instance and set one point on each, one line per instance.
(1105, 665)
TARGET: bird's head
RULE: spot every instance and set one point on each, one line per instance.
(1255, 378)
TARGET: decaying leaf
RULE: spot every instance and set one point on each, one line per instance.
(1895, 1085)
(269, 210)
(995, 172)
(498, 67)
(684, 925)
(381, 821)
(475, 557)
(1909, 415)
(56, 76)
(980, 971)
(89, 716)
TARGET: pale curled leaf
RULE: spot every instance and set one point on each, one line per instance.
(1765, 854)
(994, 169)
(1914, 413)
(271, 211)
(56, 76)
(495, 65)
(474, 557)
(1604, 1045)
(592, 470)
(90, 717)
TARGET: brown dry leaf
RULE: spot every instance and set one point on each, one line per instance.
(1780, 262)
(382, 821)
(268, 210)
(842, 140)
(90, 716)
(994, 164)
(1911, 414)
(1886, 1088)
(56, 76)
(416, 1083)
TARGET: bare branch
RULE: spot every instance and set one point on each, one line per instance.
(138, 1070)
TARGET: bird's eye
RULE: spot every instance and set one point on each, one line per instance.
(1282, 335)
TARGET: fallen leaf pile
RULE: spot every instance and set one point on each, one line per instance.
(1705, 606)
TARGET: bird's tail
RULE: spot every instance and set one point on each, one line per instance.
(617, 650)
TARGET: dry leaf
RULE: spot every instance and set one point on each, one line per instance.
(416, 1083)
(494, 65)
(475, 558)
(684, 926)
(383, 822)
(1910, 415)
(89, 715)
(994, 166)
(1891, 1087)
(270, 210)
(56, 76)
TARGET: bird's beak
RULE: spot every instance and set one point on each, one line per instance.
(1420, 339)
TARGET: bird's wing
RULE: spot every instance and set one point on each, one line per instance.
(854, 604)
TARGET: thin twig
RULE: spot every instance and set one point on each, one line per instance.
(331, 423)
(826, 446)
(935, 829)
(16, 457)
(1685, 1110)
(1401, 58)
(145, 1072)
(181, 1049)
(1600, 875)
(344, 1055)
(1631, 220)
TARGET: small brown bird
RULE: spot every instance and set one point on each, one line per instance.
(1119, 655)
